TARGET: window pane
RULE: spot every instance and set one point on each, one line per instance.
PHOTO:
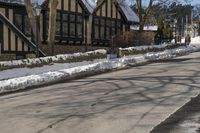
(79, 19)
(113, 31)
(65, 29)
(79, 30)
(118, 24)
(58, 16)
(65, 17)
(108, 23)
(96, 21)
(107, 33)
(102, 32)
(18, 21)
(58, 28)
(96, 32)
(113, 23)
(72, 18)
(102, 21)
(72, 30)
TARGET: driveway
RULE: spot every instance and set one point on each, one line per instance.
(127, 101)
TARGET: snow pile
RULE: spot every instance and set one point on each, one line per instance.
(146, 49)
(52, 59)
(195, 40)
(140, 48)
(102, 66)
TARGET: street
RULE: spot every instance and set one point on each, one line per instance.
(127, 101)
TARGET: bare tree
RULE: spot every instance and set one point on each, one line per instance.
(32, 18)
(52, 24)
(146, 8)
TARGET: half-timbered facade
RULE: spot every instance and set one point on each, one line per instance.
(111, 17)
(79, 22)
(15, 31)
(70, 22)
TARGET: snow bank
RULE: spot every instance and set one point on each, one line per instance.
(102, 66)
(146, 49)
(164, 45)
(51, 59)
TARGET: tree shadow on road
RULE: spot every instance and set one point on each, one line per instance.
(86, 98)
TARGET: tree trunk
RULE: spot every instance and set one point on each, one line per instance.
(142, 17)
(52, 24)
(33, 20)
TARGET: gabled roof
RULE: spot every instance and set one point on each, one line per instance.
(90, 5)
(128, 13)
(21, 2)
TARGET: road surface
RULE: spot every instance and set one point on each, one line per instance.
(127, 101)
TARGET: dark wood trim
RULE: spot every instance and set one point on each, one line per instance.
(105, 25)
(111, 9)
(76, 25)
(16, 43)
(18, 32)
(9, 32)
(2, 45)
(69, 5)
(9, 39)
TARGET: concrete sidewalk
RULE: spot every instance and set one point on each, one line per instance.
(127, 101)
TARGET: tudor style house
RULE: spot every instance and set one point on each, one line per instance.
(80, 24)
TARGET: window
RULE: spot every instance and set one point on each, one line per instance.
(79, 30)
(96, 32)
(65, 29)
(58, 28)
(105, 28)
(65, 17)
(72, 30)
(119, 27)
(22, 22)
(69, 25)
(102, 29)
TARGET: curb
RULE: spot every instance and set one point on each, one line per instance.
(31, 81)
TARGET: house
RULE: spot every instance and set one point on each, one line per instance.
(111, 17)
(81, 24)
(14, 32)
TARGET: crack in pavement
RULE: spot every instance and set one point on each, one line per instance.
(57, 122)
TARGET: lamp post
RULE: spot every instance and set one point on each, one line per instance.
(37, 11)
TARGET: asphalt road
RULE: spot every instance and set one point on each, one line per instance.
(185, 120)
(127, 101)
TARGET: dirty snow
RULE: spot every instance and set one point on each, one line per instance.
(98, 66)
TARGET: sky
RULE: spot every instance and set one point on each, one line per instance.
(193, 2)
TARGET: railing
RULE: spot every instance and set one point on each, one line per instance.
(20, 34)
